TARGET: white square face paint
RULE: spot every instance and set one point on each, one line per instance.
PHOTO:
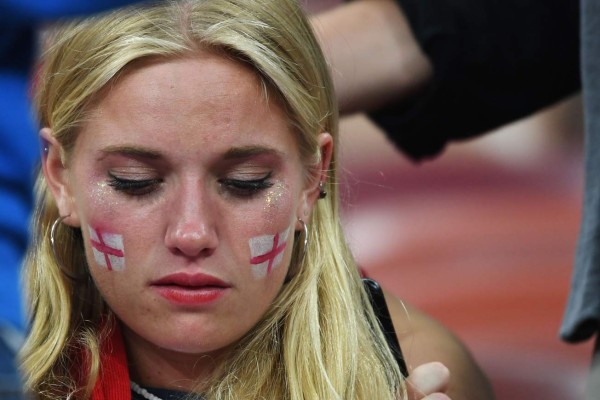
(267, 252)
(108, 249)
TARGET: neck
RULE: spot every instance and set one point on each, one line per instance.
(152, 366)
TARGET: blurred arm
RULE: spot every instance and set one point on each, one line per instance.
(424, 340)
(372, 52)
(432, 71)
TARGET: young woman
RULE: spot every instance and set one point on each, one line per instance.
(187, 240)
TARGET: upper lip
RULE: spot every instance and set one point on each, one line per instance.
(190, 280)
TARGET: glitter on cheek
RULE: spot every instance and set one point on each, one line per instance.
(103, 197)
(274, 198)
(108, 249)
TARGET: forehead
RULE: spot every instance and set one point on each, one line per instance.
(202, 99)
(195, 79)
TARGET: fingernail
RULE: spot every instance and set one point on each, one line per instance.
(436, 396)
(430, 378)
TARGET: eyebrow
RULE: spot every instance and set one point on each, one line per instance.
(237, 153)
(131, 151)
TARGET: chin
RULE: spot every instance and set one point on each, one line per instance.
(192, 338)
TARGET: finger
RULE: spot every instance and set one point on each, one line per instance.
(436, 396)
(429, 378)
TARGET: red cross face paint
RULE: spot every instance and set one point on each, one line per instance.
(108, 249)
(267, 253)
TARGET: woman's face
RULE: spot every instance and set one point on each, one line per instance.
(187, 186)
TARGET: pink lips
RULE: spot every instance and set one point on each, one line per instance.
(190, 289)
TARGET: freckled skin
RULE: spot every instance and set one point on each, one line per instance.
(189, 113)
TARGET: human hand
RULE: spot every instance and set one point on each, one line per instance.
(428, 382)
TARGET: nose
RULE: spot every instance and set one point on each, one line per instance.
(191, 231)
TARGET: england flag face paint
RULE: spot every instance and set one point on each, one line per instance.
(267, 252)
(108, 249)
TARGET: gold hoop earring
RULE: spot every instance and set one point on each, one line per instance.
(67, 273)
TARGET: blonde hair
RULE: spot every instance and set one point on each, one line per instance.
(320, 338)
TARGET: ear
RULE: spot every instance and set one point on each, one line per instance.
(319, 174)
(57, 177)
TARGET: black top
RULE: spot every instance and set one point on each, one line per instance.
(494, 61)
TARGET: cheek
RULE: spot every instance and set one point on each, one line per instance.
(109, 223)
(277, 203)
(104, 242)
(106, 248)
(95, 203)
(270, 213)
(272, 233)
(267, 252)
(104, 201)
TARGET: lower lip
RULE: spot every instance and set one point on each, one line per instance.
(185, 296)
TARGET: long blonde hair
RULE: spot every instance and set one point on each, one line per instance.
(320, 338)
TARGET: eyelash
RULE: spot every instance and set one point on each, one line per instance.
(132, 186)
(246, 188)
(238, 187)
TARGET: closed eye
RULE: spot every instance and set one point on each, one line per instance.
(246, 187)
(133, 187)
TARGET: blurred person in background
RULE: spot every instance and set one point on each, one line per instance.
(430, 71)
